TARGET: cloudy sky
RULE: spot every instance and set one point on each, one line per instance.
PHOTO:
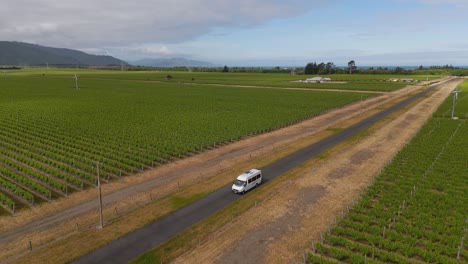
(249, 32)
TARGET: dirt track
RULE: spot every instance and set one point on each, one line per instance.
(27, 222)
(281, 228)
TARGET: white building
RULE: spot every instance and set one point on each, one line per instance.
(317, 80)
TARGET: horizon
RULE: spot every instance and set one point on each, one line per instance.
(251, 33)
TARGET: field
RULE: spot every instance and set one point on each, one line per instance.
(52, 135)
(416, 211)
(347, 82)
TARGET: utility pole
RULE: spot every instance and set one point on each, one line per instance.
(455, 95)
(76, 81)
(101, 224)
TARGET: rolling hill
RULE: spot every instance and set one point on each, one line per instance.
(20, 53)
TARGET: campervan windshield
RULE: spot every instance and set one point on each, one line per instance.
(239, 183)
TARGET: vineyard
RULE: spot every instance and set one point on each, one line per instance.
(416, 211)
(461, 107)
(347, 82)
(344, 81)
(376, 83)
(52, 136)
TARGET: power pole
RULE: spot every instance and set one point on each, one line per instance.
(76, 81)
(455, 95)
(101, 224)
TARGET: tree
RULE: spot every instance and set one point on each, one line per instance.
(321, 68)
(351, 66)
(310, 68)
(399, 70)
(225, 69)
(330, 67)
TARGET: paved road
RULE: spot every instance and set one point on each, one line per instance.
(136, 243)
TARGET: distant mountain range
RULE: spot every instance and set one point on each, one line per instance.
(14, 53)
(173, 62)
(20, 53)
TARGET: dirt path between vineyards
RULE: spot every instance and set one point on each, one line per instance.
(41, 223)
(281, 228)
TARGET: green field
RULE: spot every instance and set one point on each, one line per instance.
(351, 82)
(52, 135)
(417, 210)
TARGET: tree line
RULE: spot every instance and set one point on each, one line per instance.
(310, 69)
(328, 68)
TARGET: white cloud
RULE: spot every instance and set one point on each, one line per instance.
(137, 52)
(457, 3)
(91, 23)
(33, 30)
(207, 29)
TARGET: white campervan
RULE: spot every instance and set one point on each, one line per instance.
(247, 181)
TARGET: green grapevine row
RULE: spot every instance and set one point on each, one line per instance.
(417, 208)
